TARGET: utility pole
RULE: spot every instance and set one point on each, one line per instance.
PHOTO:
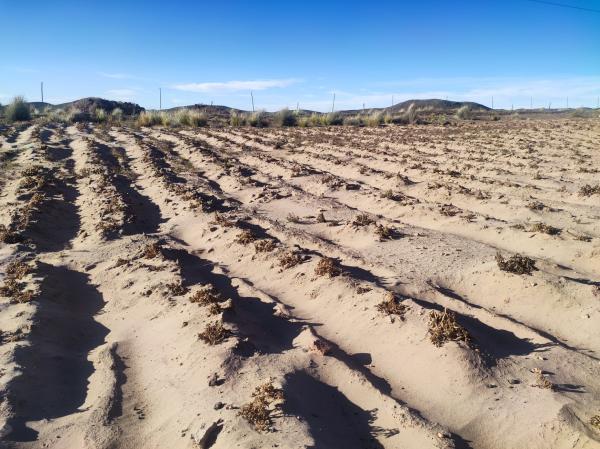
(42, 89)
(549, 105)
(531, 103)
(492, 102)
(252, 97)
(160, 98)
(333, 104)
(567, 102)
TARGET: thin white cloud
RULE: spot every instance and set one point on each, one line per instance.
(232, 86)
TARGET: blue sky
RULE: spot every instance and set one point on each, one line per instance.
(301, 52)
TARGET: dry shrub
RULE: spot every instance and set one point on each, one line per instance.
(443, 328)
(245, 237)
(264, 246)
(266, 399)
(176, 289)
(152, 250)
(516, 264)
(363, 220)
(595, 421)
(206, 296)
(384, 232)
(14, 290)
(588, 190)
(326, 267)
(321, 218)
(289, 259)
(392, 306)
(214, 333)
(545, 229)
(292, 218)
(8, 236)
(541, 381)
(222, 221)
(17, 270)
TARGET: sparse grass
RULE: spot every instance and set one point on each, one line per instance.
(17, 270)
(18, 110)
(292, 218)
(516, 264)
(266, 399)
(206, 296)
(236, 118)
(444, 328)
(8, 236)
(327, 267)
(384, 232)
(289, 259)
(214, 333)
(392, 306)
(222, 221)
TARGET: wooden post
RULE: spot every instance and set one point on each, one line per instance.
(42, 89)
(252, 97)
(333, 104)
(160, 98)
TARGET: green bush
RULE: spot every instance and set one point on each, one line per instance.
(100, 115)
(18, 110)
(464, 113)
(258, 119)
(116, 115)
(333, 118)
(236, 118)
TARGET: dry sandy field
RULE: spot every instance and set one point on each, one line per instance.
(410, 287)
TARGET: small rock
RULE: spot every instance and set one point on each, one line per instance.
(219, 406)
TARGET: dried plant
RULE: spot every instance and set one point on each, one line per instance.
(289, 259)
(516, 264)
(264, 245)
(222, 221)
(245, 237)
(293, 218)
(177, 288)
(595, 421)
(588, 190)
(327, 267)
(17, 270)
(384, 232)
(152, 250)
(392, 306)
(545, 229)
(321, 218)
(443, 328)
(266, 399)
(541, 381)
(214, 333)
(363, 220)
(8, 236)
(206, 296)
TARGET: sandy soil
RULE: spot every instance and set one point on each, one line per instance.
(317, 260)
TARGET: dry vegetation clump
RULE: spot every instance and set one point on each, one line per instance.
(214, 333)
(362, 220)
(206, 296)
(264, 245)
(541, 381)
(516, 264)
(152, 250)
(222, 221)
(176, 289)
(443, 328)
(327, 267)
(289, 259)
(293, 218)
(8, 236)
(595, 421)
(266, 399)
(588, 190)
(321, 218)
(545, 229)
(384, 232)
(13, 289)
(245, 237)
(392, 306)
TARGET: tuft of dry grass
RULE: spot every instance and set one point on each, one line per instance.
(392, 306)
(545, 229)
(384, 232)
(516, 264)
(595, 421)
(176, 289)
(264, 245)
(266, 399)
(206, 296)
(588, 190)
(444, 328)
(222, 221)
(17, 270)
(8, 236)
(289, 259)
(152, 250)
(363, 220)
(327, 267)
(245, 237)
(293, 218)
(541, 381)
(214, 333)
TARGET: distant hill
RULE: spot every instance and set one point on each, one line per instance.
(90, 104)
(437, 105)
